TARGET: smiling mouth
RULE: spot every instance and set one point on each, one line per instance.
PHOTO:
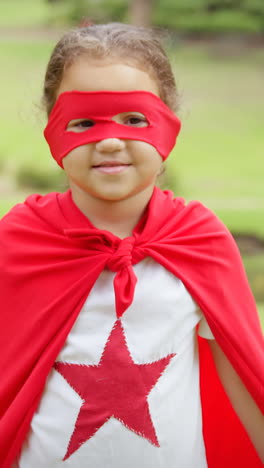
(111, 167)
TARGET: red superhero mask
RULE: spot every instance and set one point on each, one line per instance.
(100, 107)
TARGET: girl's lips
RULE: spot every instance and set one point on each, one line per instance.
(111, 169)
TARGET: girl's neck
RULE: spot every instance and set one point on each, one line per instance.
(118, 217)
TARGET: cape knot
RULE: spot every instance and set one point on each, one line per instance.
(122, 256)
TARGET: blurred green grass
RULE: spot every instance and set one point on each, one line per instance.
(34, 14)
(24, 13)
(21, 118)
(261, 314)
(219, 155)
(254, 265)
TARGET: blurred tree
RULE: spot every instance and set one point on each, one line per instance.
(140, 12)
(78, 10)
(255, 8)
(96, 11)
(184, 16)
(210, 16)
(216, 5)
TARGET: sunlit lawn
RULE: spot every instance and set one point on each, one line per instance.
(219, 157)
(31, 13)
(23, 12)
(261, 314)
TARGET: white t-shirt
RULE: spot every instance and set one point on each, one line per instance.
(149, 413)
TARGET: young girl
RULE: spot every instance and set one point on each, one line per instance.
(129, 335)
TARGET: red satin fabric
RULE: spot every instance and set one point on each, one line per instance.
(100, 107)
(51, 256)
(227, 443)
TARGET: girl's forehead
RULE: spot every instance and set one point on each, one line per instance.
(104, 75)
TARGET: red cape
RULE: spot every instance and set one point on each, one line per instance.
(50, 258)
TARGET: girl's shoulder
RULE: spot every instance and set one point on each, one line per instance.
(33, 201)
(192, 212)
(36, 209)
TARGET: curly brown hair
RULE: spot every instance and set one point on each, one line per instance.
(131, 44)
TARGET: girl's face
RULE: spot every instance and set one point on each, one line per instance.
(112, 169)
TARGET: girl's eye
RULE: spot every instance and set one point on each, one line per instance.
(80, 125)
(85, 124)
(136, 121)
(131, 119)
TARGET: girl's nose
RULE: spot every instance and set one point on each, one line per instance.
(110, 145)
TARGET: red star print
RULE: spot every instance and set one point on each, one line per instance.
(116, 387)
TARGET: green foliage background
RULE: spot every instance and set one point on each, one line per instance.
(188, 16)
(219, 155)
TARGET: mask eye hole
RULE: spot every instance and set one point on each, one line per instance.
(79, 125)
(131, 119)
